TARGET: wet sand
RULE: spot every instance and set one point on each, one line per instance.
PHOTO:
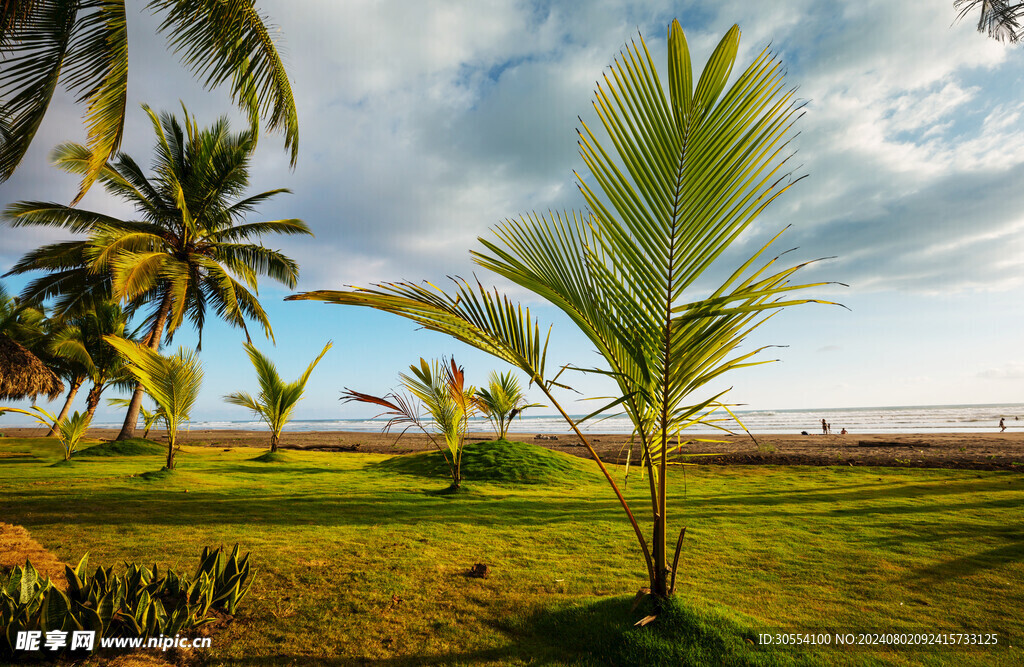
(980, 451)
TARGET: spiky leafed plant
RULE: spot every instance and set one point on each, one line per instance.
(502, 400)
(81, 340)
(149, 417)
(679, 178)
(84, 45)
(441, 389)
(277, 399)
(69, 430)
(173, 382)
(999, 19)
(189, 251)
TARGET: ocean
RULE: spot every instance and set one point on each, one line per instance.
(903, 419)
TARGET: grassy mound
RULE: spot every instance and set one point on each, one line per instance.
(130, 447)
(273, 457)
(603, 633)
(495, 461)
(156, 475)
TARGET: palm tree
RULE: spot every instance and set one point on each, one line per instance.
(173, 382)
(449, 403)
(693, 170)
(84, 45)
(277, 399)
(502, 401)
(81, 340)
(999, 19)
(187, 253)
(69, 430)
(149, 417)
(22, 372)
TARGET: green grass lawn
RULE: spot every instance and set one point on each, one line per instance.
(359, 563)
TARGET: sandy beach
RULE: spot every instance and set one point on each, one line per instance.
(980, 451)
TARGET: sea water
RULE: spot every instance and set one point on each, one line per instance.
(903, 419)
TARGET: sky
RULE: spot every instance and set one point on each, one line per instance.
(423, 124)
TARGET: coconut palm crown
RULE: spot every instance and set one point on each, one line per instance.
(676, 178)
(189, 253)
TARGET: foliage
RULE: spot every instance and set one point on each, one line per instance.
(999, 19)
(502, 400)
(173, 382)
(84, 45)
(277, 399)
(440, 388)
(140, 603)
(69, 430)
(132, 447)
(693, 171)
(149, 417)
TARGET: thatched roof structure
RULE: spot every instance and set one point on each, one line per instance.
(22, 374)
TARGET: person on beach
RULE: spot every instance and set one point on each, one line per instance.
(843, 432)
(1002, 424)
(824, 427)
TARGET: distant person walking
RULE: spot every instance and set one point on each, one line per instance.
(824, 427)
(1002, 424)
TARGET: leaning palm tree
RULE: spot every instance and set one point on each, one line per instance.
(441, 389)
(81, 340)
(502, 400)
(84, 45)
(681, 175)
(173, 382)
(189, 251)
(277, 399)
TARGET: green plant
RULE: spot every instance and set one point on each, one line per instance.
(141, 602)
(85, 46)
(277, 399)
(173, 382)
(69, 430)
(684, 176)
(149, 417)
(502, 400)
(188, 255)
(449, 404)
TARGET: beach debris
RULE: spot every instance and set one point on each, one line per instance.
(480, 570)
(545, 437)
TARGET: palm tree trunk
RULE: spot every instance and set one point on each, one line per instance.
(170, 451)
(275, 438)
(75, 385)
(92, 401)
(131, 420)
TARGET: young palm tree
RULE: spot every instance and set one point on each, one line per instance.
(187, 253)
(277, 399)
(694, 168)
(449, 403)
(69, 430)
(502, 401)
(149, 417)
(84, 45)
(173, 382)
(81, 340)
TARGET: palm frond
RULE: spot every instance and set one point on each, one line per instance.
(228, 41)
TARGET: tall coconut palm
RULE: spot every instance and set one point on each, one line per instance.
(173, 381)
(502, 400)
(84, 45)
(680, 175)
(277, 399)
(81, 340)
(999, 19)
(188, 251)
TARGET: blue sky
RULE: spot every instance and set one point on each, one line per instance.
(425, 123)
